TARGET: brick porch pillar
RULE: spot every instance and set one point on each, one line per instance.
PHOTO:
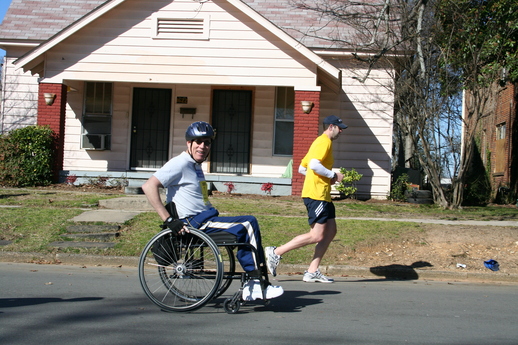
(306, 129)
(54, 116)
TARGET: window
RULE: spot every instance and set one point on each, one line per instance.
(500, 131)
(97, 116)
(500, 153)
(188, 27)
(284, 118)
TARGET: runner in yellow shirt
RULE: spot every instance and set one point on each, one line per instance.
(316, 192)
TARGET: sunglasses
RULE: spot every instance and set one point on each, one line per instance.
(207, 142)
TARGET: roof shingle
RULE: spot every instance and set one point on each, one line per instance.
(38, 20)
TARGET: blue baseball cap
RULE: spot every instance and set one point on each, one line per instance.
(335, 120)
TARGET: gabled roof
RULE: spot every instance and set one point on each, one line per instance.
(35, 20)
(30, 20)
(303, 25)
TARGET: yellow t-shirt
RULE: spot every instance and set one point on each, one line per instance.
(318, 187)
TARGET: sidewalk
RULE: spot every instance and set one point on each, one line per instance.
(120, 210)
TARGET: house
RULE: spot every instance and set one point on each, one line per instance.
(119, 81)
(498, 144)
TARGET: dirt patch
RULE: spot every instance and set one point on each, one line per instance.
(444, 248)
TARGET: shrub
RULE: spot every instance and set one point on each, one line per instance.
(26, 157)
(399, 187)
(348, 185)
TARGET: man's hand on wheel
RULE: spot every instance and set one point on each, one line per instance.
(176, 226)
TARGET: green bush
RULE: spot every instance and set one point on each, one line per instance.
(26, 157)
(399, 187)
(348, 185)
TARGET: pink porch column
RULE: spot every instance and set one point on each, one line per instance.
(54, 116)
(306, 129)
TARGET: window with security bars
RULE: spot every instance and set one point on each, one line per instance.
(195, 27)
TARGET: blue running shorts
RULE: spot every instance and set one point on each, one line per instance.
(319, 211)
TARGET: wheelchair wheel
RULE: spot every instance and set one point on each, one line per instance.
(180, 273)
(229, 269)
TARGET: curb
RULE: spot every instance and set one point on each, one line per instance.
(336, 271)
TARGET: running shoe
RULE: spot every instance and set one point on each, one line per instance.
(272, 260)
(316, 277)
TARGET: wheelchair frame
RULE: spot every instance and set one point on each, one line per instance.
(185, 272)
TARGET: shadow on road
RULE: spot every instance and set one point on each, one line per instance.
(290, 302)
(400, 272)
(23, 302)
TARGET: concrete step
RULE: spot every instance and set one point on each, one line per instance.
(79, 235)
(93, 228)
(100, 236)
(130, 203)
(106, 216)
(73, 244)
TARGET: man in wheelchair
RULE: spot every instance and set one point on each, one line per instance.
(186, 187)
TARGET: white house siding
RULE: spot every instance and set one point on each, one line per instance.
(76, 158)
(19, 97)
(366, 145)
(264, 164)
(133, 59)
(118, 47)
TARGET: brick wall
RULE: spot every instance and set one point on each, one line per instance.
(505, 112)
(54, 116)
(306, 129)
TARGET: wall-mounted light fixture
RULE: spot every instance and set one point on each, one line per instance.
(49, 98)
(189, 111)
(307, 106)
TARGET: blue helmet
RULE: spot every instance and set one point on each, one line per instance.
(199, 129)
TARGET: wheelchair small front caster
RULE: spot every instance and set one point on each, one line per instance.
(230, 306)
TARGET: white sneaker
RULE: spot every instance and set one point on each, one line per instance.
(316, 277)
(252, 291)
(274, 291)
(272, 260)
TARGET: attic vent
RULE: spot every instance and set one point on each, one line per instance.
(181, 28)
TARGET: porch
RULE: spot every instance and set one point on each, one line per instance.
(133, 181)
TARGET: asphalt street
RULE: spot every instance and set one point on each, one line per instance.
(58, 304)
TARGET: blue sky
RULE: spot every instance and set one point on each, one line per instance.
(4, 5)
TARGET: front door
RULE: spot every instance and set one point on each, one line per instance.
(232, 119)
(150, 128)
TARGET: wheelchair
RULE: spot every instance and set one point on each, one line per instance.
(184, 272)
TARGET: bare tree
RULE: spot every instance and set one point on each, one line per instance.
(399, 35)
(411, 38)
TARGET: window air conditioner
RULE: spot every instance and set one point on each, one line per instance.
(96, 142)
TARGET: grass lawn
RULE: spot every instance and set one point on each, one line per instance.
(34, 218)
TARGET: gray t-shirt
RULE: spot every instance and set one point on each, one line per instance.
(186, 185)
